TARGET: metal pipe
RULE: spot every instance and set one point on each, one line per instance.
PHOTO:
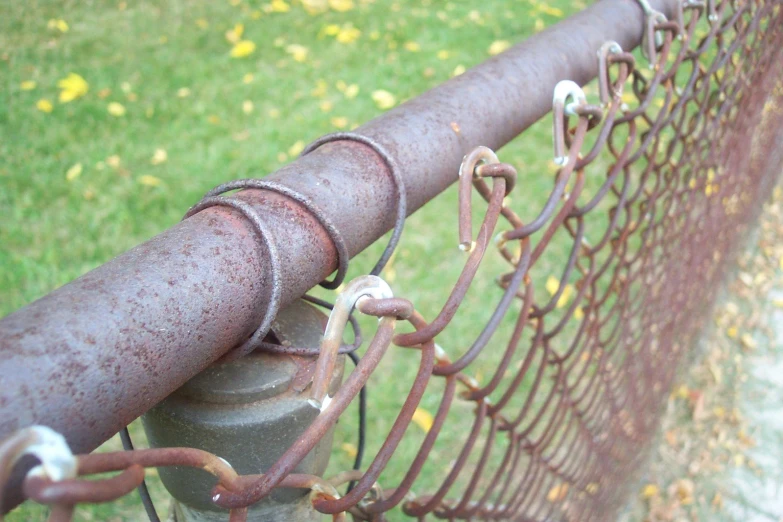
(95, 354)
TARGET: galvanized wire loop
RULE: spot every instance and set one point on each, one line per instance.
(611, 53)
(360, 288)
(265, 235)
(562, 108)
(394, 172)
(343, 257)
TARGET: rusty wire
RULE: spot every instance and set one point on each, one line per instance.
(682, 146)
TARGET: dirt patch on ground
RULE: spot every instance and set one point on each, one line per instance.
(719, 455)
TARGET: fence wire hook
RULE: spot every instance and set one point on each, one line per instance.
(57, 462)
(652, 39)
(361, 287)
(712, 11)
(564, 91)
(604, 81)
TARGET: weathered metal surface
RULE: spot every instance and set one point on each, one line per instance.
(683, 149)
(561, 416)
(95, 354)
(248, 411)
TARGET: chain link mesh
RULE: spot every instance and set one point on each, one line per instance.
(561, 426)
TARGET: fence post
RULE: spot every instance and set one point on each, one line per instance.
(248, 411)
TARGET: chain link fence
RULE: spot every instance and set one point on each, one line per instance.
(657, 184)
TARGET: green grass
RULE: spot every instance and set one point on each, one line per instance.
(170, 68)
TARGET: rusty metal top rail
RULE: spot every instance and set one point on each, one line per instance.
(95, 354)
(558, 430)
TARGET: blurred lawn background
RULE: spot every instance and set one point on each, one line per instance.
(115, 117)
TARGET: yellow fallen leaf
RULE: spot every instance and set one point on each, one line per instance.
(183, 92)
(44, 105)
(412, 47)
(202, 23)
(234, 34)
(565, 296)
(243, 48)
(72, 87)
(423, 419)
(331, 29)
(73, 172)
(296, 148)
(552, 285)
(341, 5)
(150, 181)
(498, 47)
(160, 156)
(684, 489)
(116, 109)
(732, 332)
(59, 24)
(326, 105)
(649, 491)
(443, 54)
(279, 6)
(553, 11)
(247, 106)
(592, 488)
(298, 52)
(28, 85)
(383, 99)
(339, 121)
(458, 70)
(351, 91)
(113, 161)
(748, 341)
(348, 34)
(321, 88)
(247, 78)
(578, 313)
(557, 493)
(350, 449)
(315, 7)
(681, 392)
